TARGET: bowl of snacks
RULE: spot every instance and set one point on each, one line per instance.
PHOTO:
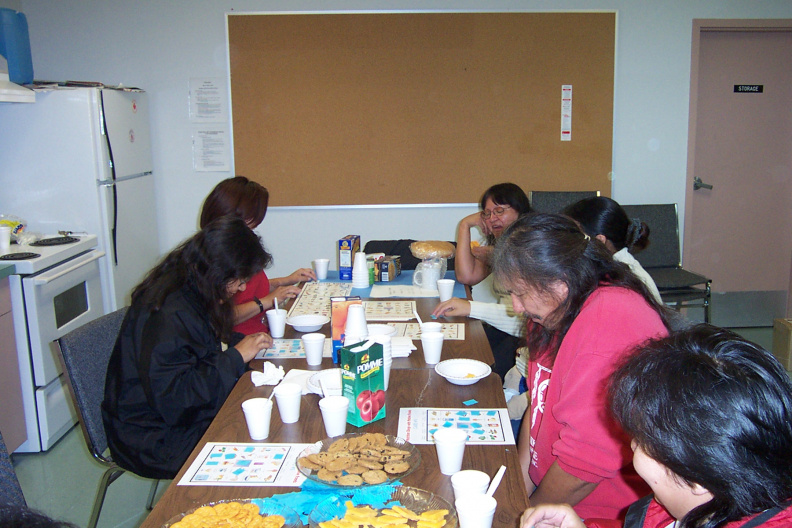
(308, 322)
(413, 506)
(239, 512)
(358, 459)
(463, 371)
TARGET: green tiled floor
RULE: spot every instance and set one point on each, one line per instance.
(62, 483)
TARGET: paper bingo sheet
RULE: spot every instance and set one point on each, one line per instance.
(314, 297)
(484, 426)
(291, 348)
(389, 310)
(237, 464)
(455, 331)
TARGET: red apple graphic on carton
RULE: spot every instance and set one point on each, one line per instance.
(370, 404)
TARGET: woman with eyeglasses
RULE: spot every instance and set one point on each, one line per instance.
(501, 205)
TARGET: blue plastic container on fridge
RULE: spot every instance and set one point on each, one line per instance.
(15, 46)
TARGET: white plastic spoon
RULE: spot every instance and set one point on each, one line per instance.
(496, 480)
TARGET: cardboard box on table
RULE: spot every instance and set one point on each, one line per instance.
(782, 342)
(347, 247)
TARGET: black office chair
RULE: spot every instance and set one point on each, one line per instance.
(557, 201)
(399, 247)
(85, 353)
(10, 490)
(678, 287)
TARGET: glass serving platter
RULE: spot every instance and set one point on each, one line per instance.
(414, 499)
(266, 507)
(412, 459)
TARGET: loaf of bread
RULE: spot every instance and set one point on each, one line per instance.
(426, 249)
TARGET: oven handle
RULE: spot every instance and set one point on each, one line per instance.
(77, 263)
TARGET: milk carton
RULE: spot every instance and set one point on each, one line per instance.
(362, 379)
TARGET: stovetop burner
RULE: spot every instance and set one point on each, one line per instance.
(19, 256)
(56, 241)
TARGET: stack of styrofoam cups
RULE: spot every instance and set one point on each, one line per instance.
(387, 354)
(360, 274)
(356, 329)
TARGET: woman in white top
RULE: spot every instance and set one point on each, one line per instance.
(604, 219)
(501, 205)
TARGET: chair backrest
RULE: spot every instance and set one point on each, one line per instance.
(556, 201)
(85, 353)
(10, 490)
(663, 222)
(401, 248)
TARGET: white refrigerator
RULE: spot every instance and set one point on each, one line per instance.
(79, 160)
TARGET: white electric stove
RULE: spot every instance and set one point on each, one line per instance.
(56, 287)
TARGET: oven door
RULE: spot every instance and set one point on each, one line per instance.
(58, 300)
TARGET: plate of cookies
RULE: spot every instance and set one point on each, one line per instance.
(408, 507)
(239, 513)
(358, 459)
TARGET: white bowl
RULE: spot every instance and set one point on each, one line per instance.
(331, 379)
(463, 371)
(381, 329)
(308, 323)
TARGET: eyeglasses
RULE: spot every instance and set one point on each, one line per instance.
(498, 211)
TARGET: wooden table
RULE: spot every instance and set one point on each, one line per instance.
(412, 384)
(474, 346)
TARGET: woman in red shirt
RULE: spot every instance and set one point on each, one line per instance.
(710, 415)
(249, 200)
(585, 313)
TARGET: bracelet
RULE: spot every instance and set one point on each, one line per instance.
(261, 306)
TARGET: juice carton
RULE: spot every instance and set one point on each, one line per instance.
(363, 382)
(347, 247)
(338, 317)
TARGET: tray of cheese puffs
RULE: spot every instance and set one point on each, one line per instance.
(240, 513)
(358, 459)
(408, 507)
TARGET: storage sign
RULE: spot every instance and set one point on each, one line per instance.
(748, 88)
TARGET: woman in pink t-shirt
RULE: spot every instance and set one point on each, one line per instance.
(710, 415)
(249, 200)
(585, 314)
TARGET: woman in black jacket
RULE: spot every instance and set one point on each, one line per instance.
(177, 357)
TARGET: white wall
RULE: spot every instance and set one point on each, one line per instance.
(160, 44)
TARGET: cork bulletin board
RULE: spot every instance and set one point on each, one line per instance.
(419, 108)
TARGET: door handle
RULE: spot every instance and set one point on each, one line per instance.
(698, 184)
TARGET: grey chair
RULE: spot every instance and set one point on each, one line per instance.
(678, 287)
(556, 201)
(85, 354)
(10, 490)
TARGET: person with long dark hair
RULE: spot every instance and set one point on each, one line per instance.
(585, 313)
(604, 219)
(500, 205)
(177, 357)
(710, 416)
(249, 200)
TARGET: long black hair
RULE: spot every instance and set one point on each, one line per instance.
(600, 215)
(541, 249)
(716, 410)
(223, 251)
(506, 194)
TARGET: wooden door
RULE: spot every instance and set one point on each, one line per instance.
(739, 232)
